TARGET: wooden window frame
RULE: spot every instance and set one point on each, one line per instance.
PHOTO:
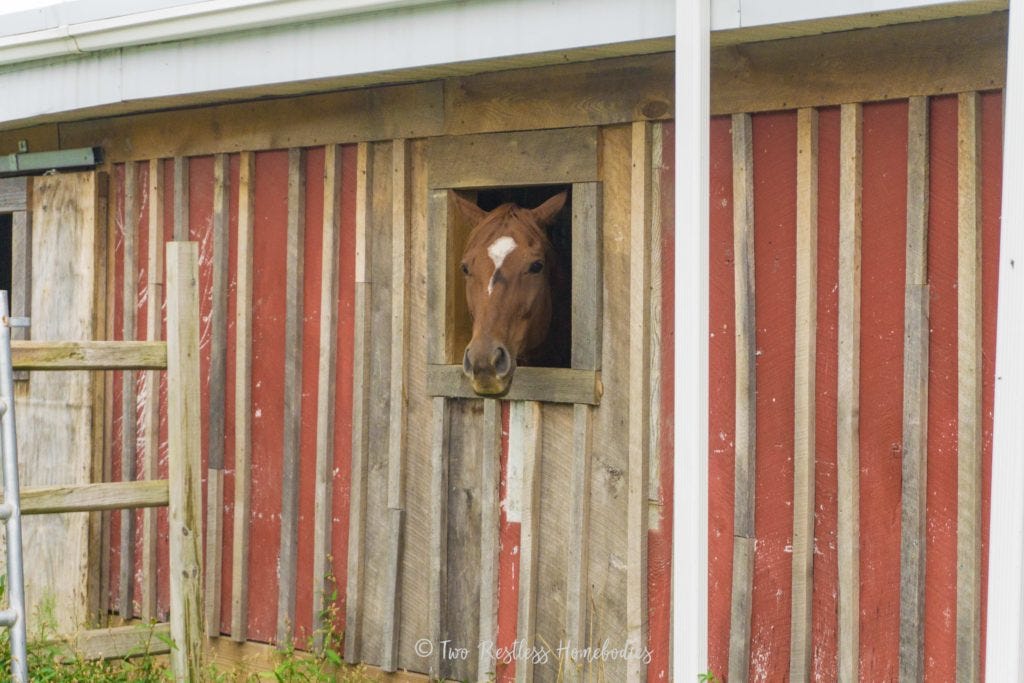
(547, 157)
(14, 199)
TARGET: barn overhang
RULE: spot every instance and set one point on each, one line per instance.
(92, 58)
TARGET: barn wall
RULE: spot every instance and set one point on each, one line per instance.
(885, 447)
(186, 194)
(620, 95)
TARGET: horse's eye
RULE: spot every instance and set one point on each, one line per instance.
(465, 269)
(536, 266)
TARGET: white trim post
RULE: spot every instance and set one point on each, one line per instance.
(1004, 652)
(690, 488)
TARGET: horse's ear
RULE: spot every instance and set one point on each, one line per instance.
(472, 213)
(546, 212)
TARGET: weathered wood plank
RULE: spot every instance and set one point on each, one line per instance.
(804, 399)
(14, 194)
(98, 594)
(545, 157)
(438, 294)
(243, 400)
(915, 400)
(552, 385)
(969, 390)
(89, 355)
(21, 277)
(746, 392)
(326, 388)
(292, 432)
(655, 328)
(400, 237)
(181, 219)
(115, 643)
(623, 90)
(354, 115)
(214, 550)
(14, 199)
(524, 435)
(438, 602)
(129, 228)
(118, 495)
(860, 66)
(638, 425)
(577, 589)
(70, 230)
(217, 389)
(354, 604)
(465, 516)
(586, 276)
(490, 502)
(184, 515)
(848, 392)
(151, 410)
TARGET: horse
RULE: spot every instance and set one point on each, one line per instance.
(509, 267)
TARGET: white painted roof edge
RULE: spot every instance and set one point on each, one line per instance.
(86, 26)
(169, 24)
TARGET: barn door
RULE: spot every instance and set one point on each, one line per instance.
(60, 415)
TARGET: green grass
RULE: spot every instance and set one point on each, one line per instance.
(49, 659)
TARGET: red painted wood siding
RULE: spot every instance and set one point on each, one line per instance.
(883, 247)
(270, 217)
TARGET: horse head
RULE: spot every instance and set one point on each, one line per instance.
(507, 266)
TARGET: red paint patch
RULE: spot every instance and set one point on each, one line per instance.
(775, 294)
(268, 316)
(883, 241)
(508, 566)
(722, 398)
(824, 616)
(229, 401)
(991, 210)
(940, 570)
(343, 395)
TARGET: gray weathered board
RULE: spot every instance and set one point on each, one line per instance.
(586, 591)
(56, 435)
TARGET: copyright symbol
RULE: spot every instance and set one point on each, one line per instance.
(424, 647)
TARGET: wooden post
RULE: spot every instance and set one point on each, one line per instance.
(185, 520)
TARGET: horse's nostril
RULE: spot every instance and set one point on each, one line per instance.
(501, 361)
(467, 367)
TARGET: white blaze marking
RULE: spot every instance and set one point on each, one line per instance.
(501, 248)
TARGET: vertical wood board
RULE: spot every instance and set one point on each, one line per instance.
(55, 419)
(848, 391)
(915, 399)
(969, 395)
(804, 400)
